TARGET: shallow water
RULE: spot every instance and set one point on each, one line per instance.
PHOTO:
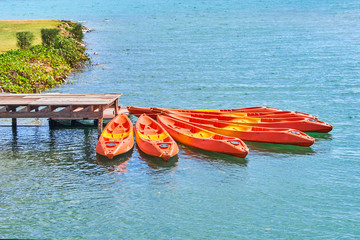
(293, 55)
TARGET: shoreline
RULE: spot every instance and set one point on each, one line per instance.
(42, 66)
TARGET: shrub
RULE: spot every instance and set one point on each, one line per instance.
(24, 40)
(39, 66)
(44, 66)
(77, 32)
(49, 36)
(71, 50)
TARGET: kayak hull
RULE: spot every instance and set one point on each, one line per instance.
(196, 137)
(302, 124)
(233, 113)
(117, 137)
(249, 133)
(153, 139)
(264, 112)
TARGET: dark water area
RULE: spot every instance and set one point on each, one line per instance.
(293, 55)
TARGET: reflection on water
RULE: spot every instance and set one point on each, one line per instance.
(74, 124)
(14, 140)
(279, 148)
(320, 136)
(156, 162)
(118, 164)
(211, 156)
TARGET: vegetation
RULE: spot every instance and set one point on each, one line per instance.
(70, 50)
(42, 66)
(48, 36)
(24, 40)
(9, 28)
(77, 32)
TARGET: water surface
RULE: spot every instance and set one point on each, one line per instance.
(293, 55)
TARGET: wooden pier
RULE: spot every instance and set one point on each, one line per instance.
(58, 106)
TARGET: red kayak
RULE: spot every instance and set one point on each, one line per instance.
(302, 124)
(117, 137)
(137, 111)
(248, 109)
(249, 133)
(197, 137)
(278, 114)
(153, 139)
(153, 112)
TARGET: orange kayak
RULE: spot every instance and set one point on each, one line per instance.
(117, 137)
(137, 111)
(302, 124)
(153, 112)
(197, 137)
(250, 133)
(153, 139)
(248, 109)
(229, 112)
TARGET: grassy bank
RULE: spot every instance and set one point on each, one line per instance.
(9, 28)
(43, 66)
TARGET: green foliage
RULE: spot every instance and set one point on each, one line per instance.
(71, 50)
(42, 66)
(77, 32)
(24, 40)
(39, 66)
(49, 36)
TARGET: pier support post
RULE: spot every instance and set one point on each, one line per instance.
(14, 124)
(100, 126)
(51, 123)
(100, 120)
(116, 107)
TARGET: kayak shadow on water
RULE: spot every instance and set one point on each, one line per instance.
(211, 156)
(279, 148)
(157, 162)
(118, 164)
(320, 136)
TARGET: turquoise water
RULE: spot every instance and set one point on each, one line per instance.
(293, 55)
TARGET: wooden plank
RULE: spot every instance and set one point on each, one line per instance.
(19, 102)
(58, 106)
(27, 95)
(57, 99)
(49, 114)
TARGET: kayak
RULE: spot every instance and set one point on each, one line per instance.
(140, 110)
(137, 111)
(248, 109)
(262, 113)
(117, 137)
(197, 137)
(278, 114)
(153, 139)
(302, 124)
(250, 133)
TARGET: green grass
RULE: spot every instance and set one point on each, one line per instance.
(41, 66)
(8, 29)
